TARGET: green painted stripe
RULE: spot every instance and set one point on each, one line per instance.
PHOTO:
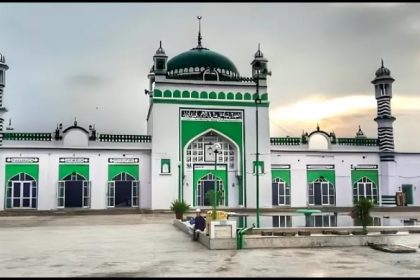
(211, 102)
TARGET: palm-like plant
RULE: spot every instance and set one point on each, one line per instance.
(361, 212)
(179, 207)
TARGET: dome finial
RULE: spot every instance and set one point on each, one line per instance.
(382, 63)
(199, 32)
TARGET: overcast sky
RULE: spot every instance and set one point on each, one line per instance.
(91, 61)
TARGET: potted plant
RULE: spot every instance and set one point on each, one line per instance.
(361, 213)
(214, 197)
(179, 207)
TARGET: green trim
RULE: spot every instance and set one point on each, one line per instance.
(371, 174)
(167, 93)
(194, 94)
(212, 95)
(328, 174)
(185, 94)
(14, 169)
(165, 161)
(176, 94)
(233, 130)
(283, 174)
(208, 103)
(204, 95)
(115, 169)
(220, 174)
(157, 93)
(66, 169)
(260, 164)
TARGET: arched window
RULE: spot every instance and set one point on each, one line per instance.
(280, 192)
(365, 188)
(321, 192)
(21, 192)
(197, 151)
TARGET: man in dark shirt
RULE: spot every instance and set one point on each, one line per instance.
(199, 224)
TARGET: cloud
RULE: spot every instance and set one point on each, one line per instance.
(86, 80)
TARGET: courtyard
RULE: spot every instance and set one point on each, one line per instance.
(148, 245)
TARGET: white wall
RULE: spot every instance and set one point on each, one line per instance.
(98, 173)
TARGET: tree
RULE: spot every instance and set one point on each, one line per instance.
(361, 212)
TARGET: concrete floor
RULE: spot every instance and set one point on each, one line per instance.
(143, 245)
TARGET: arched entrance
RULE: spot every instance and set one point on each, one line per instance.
(321, 192)
(21, 192)
(365, 188)
(207, 169)
(207, 184)
(73, 191)
(123, 191)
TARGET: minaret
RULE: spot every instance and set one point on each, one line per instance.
(160, 61)
(3, 68)
(259, 67)
(383, 94)
(387, 167)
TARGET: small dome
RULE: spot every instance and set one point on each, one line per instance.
(160, 50)
(383, 71)
(2, 58)
(201, 58)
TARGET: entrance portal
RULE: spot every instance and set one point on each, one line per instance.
(21, 192)
(73, 191)
(207, 184)
(123, 191)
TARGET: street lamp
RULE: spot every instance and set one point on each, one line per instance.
(257, 102)
(259, 71)
(216, 148)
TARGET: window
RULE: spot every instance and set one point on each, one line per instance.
(321, 192)
(365, 188)
(282, 221)
(21, 192)
(280, 192)
(199, 152)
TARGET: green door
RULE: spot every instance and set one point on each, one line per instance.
(408, 190)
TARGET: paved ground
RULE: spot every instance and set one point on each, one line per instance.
(149, 245)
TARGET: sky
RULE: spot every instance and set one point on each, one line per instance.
(90, 61)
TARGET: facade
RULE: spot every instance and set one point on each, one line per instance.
(204, 124)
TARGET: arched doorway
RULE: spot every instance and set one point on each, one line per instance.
(321, 192)
(123, 191)
(206, 169)
(366, 188)
(21, 192)
(207, 184)
(73, 191)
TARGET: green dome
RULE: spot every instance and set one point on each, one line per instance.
(201, 58)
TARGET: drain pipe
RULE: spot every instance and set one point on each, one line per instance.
(239, 236)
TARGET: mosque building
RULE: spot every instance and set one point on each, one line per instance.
(207, 129)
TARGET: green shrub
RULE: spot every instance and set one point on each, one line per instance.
(361, 212)
(179, 206)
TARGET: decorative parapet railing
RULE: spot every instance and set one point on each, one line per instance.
(16, 136)
(358, 141)
(125, 138)
(295, 141)
(212, 95)
(288, 141)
